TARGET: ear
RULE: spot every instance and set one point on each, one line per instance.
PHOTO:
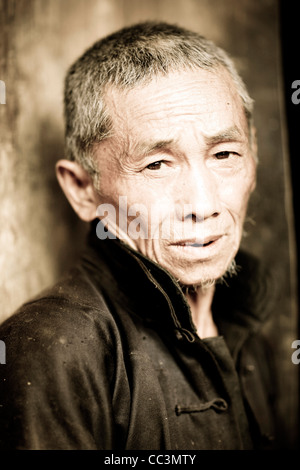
(78, 187)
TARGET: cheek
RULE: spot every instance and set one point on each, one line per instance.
(147, 218)
(160, 218)
(235, 191)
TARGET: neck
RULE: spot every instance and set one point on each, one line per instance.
(200, 302)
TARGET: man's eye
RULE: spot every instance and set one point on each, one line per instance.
(155, 165)
(225, 154)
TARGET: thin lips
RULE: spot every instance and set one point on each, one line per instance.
(200, 242)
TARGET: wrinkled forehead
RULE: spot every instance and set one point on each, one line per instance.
(204, 98)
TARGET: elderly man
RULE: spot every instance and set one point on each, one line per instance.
(152, 340)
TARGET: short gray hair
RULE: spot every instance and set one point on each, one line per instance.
(133, 55)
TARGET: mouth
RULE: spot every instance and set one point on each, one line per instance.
(197, 244)
(198, 249)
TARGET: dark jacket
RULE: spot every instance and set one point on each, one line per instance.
(109, 358)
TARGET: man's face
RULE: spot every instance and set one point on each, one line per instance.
(180, 161)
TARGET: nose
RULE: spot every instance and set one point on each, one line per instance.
(199, 194)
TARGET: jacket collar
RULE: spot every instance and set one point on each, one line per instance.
(141, 286)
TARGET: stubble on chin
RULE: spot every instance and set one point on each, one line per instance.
(205, 284)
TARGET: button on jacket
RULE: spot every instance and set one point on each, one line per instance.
(109, 358)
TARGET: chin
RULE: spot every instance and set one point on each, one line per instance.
(203, 280)
(207, 277)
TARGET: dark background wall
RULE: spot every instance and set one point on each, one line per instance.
(39, 234)
(289, 32)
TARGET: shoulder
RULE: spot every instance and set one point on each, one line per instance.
(70, 319)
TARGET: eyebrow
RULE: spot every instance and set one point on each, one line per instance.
(231, 134)
(147, 148)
